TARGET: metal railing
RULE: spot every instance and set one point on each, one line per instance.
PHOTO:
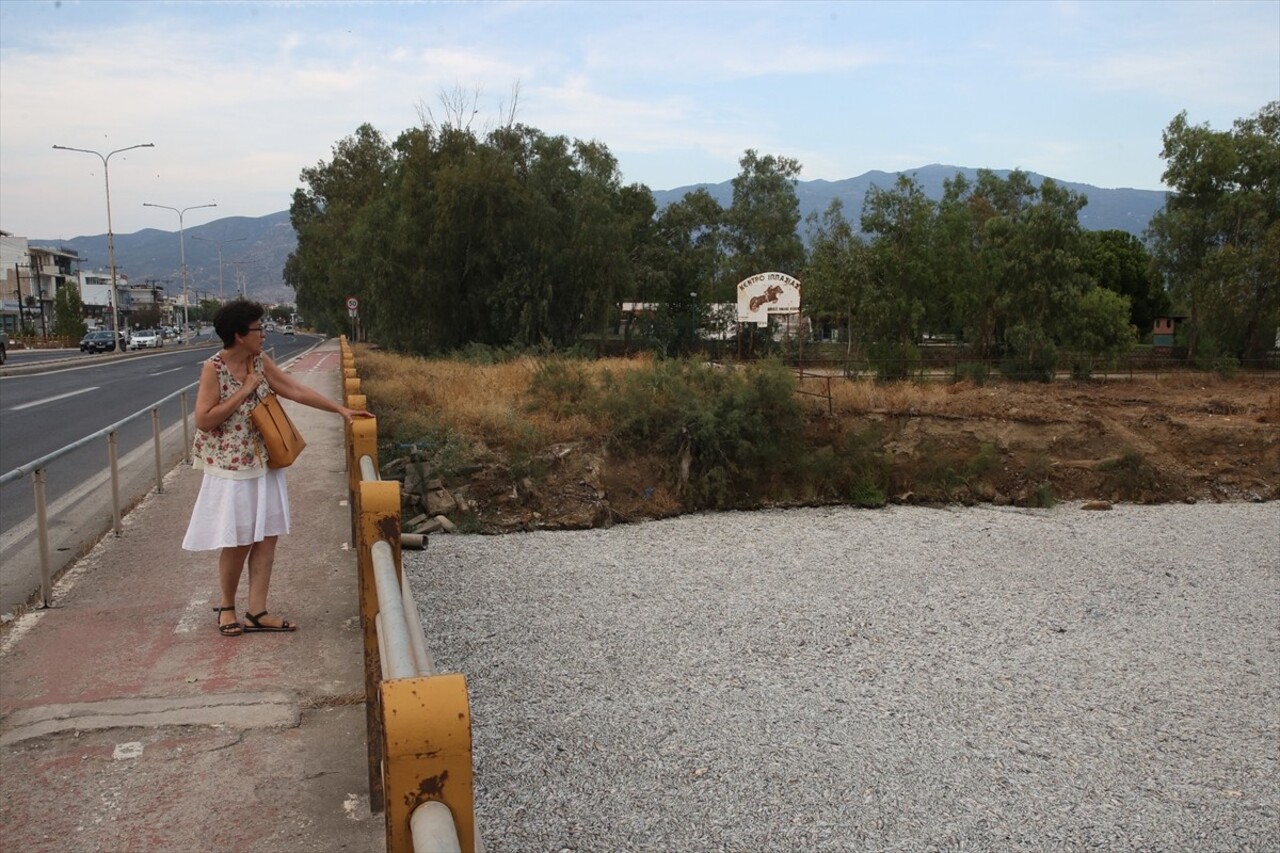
(418, 720)
(37, 469)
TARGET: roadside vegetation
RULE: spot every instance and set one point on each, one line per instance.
(518, 238)
(487, 266)
(551, 441)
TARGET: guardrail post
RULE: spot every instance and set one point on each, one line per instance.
(186, 431)
(113, 459)
(427, 755)
(155, 439)
(42, 531)
(362, 440)
(350, 387)
(379, 519)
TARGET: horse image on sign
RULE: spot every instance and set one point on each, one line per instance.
(765, 294)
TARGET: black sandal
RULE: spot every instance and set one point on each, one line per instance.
(230, 629)
(254, 625)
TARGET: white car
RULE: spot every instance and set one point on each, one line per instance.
(146, 339)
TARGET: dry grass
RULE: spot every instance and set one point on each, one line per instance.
(480, 402)
(1271, 411)
(863, 396)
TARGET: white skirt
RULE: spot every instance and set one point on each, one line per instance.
(230, 513)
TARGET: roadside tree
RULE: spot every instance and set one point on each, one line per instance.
(1217, 240)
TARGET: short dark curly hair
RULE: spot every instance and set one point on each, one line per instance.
(234, 318)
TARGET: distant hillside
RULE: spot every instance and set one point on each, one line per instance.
(1108, 209)
(268, 240)
(259, 246)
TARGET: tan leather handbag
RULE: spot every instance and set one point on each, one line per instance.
(284, 442)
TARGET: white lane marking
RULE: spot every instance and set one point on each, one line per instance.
(53, 399)
(170, 370)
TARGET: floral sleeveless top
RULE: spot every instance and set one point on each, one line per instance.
(234, 448)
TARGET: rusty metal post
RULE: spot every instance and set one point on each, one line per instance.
(379, 520)
(360, 403)
(42, 531)
(155, 441)
(113, 459)
(349, 388)
(186, 430)
(428, 755)
(362, 441)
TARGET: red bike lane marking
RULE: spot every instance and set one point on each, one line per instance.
(314, 362)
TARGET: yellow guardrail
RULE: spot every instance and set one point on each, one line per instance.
(418, 720)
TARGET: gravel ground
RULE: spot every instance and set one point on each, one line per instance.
(897, 679)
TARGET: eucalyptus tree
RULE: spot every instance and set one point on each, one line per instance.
(1217, 240)
(683, 267)
(1121, 263)
(322, 269)
(68, 312)
(568, 250)
(837, 276)
(900, 221)
(761, 225)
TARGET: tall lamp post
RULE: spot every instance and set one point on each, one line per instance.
(221, 293)
(111, 242)
(182, 249)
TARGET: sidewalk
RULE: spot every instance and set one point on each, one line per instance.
(127, 723)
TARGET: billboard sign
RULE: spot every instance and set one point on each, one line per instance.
(766, 294)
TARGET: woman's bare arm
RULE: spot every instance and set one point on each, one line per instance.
(291, 389)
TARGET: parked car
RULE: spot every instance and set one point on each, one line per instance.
(146, 339)
(102, 340)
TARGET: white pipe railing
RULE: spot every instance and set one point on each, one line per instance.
(402, 647)
(433, 829)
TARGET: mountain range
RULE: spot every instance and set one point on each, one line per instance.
(257, 247)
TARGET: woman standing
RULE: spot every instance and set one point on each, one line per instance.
(243, 505)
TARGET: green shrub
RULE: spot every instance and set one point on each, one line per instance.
(1129, 475)
(1044, 496)
(855, 468)
(560, 387)
(1030, 356)
(986, 461)
(734, 430)
(447, 452)
(894, 361)
(976, 372)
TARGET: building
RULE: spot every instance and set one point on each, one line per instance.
(32, 277)
(1164, 332)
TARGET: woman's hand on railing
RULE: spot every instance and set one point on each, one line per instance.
(349, 415)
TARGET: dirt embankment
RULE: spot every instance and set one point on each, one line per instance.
(1146, 440)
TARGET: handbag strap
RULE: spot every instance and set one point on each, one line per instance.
(259, 369)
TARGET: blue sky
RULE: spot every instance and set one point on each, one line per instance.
(238, 97)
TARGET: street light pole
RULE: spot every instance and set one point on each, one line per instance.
(182, 249)
(222, 295)
(111, 242)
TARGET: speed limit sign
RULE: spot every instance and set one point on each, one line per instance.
(352, 303)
